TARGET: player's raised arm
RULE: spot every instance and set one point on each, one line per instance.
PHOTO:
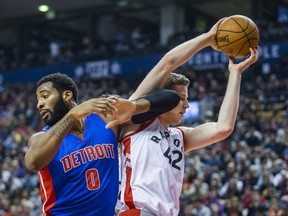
(213, 132)
(173, 59)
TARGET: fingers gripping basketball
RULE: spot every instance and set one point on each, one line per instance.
(236, 34)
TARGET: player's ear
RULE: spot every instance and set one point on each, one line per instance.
(67, 96)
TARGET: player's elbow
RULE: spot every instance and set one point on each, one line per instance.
(169, 61)
(32, 164)
(225, 130)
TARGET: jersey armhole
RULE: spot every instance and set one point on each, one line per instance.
(183, 134)
(145, 125)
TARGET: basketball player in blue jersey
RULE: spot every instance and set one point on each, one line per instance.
(76, 154)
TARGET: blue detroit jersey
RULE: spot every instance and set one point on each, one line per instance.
(82, 178)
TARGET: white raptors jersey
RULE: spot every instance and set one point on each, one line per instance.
(152, 169)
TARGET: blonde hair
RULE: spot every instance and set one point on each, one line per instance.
(176, 79)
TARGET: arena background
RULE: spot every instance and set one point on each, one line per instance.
(109, 46)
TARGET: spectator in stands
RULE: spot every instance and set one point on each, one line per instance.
(258, 205)
(199, 208)
(264, 180)
(233, 206)
(232, 187)
(280, 179)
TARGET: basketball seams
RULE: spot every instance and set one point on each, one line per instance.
(242, 47)
(244, 30)
(248, 41)
(247, 24)
(236, 34)
(245, 35)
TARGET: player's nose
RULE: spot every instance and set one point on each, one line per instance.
(186, 104)
(40, 105)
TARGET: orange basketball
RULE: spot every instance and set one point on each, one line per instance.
(236, 34)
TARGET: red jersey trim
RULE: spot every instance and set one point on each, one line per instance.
(47, 191)
(128, 195)
(183, 134)
(140, 129)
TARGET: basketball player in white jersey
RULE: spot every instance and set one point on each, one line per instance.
(153, 152)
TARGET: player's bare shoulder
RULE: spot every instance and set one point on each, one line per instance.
(127, 129)
(35, 137)
(186, 129)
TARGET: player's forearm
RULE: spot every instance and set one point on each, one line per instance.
(60, 130)
(185, 51)
(141, 105)
(172, 60)
(44, 146)
(229, 108)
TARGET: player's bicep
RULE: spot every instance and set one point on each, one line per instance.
(33, 139)
(201, 136)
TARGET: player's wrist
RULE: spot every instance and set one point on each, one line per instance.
(234, 72)
(71, 116)
(207, 37)
(141, 105)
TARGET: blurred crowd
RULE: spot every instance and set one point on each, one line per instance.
(48, 49)
(246, 174)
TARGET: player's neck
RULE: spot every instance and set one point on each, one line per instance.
(78, 128)
(165, 123)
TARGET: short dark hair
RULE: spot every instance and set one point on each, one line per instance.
(61, 82)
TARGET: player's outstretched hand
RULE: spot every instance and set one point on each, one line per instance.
(100, 106)
(242, 66)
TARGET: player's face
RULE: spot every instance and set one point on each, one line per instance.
(50, 104)
(175, 116)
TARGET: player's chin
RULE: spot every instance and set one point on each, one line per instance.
(177, 121)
